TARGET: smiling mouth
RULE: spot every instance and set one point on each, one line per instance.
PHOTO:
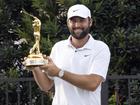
(78, 30)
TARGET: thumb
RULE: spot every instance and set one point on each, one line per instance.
(49, 59)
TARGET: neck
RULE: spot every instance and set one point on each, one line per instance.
(78, 43)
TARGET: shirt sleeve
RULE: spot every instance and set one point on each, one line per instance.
(101, 63)
(53, 53)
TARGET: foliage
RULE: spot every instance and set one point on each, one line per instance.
(112, 100)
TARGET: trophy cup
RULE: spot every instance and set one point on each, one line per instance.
(35, 57)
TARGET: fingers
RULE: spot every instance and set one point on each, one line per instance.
(47, 65)
(44, 56)
(25, 58)
(31, 68)
(43, 67)
(48, 58)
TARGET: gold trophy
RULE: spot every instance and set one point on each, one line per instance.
(35, 57)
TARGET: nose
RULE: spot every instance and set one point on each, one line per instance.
(77, 24)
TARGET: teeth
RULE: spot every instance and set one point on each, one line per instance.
(78, 30)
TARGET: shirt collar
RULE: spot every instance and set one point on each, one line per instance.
(88, 45)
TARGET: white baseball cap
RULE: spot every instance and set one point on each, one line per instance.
(78, 10)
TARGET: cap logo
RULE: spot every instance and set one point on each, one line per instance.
(75, 10)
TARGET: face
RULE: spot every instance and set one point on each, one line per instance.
(79, 27)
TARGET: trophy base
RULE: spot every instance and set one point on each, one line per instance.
(34, 60)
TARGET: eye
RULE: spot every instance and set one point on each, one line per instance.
(81, 20)
(77, 20)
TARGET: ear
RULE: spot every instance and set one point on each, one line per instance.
(67, 22)
(91, 21)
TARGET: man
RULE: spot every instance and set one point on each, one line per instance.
(76, 66)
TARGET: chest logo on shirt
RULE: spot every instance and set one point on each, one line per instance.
(87, 55)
